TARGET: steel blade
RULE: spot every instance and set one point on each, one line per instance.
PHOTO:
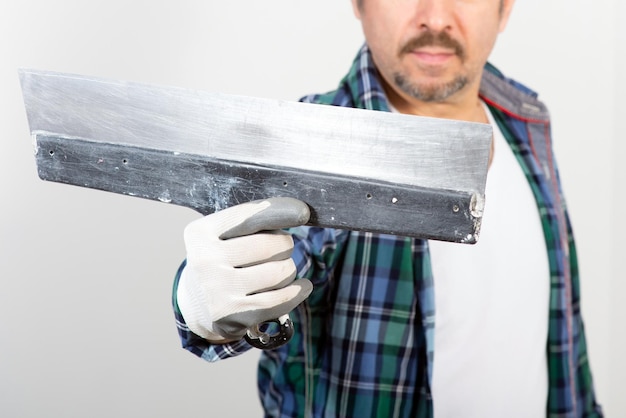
(428, 152)
(357, 147)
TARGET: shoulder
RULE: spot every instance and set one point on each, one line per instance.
(493, 73)
(338, 97)
(511, 96)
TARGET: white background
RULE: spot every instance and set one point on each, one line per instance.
(85, 322)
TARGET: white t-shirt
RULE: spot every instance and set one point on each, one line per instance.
(492, 306)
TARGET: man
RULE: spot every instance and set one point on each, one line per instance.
(394, 326)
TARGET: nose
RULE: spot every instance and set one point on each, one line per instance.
(434, 15)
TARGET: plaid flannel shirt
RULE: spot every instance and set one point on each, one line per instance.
(364, 340)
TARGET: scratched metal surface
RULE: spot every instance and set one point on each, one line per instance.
(426, 152)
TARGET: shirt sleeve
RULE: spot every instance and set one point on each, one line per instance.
(317, 251)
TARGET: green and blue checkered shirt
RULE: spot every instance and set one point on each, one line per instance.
(365, 337)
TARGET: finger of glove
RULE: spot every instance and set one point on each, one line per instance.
(258, 248)
(209, 300)
(262, 278)
(272, 213)
(263, 307)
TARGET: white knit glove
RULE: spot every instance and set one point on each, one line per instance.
(237, 277)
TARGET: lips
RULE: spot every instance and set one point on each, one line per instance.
(431, 56)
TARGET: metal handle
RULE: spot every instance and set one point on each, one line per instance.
(268, 338)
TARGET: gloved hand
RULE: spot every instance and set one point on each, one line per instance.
(239, 270)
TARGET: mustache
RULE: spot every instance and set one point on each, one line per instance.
(430, 38)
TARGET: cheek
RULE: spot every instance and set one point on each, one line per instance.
(377, 33)
(385, 25)
(478, 26)
(482, 44)
(382, 41)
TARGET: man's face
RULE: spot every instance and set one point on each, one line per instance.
(431, 50)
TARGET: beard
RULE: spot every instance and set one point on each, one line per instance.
(431, 91)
